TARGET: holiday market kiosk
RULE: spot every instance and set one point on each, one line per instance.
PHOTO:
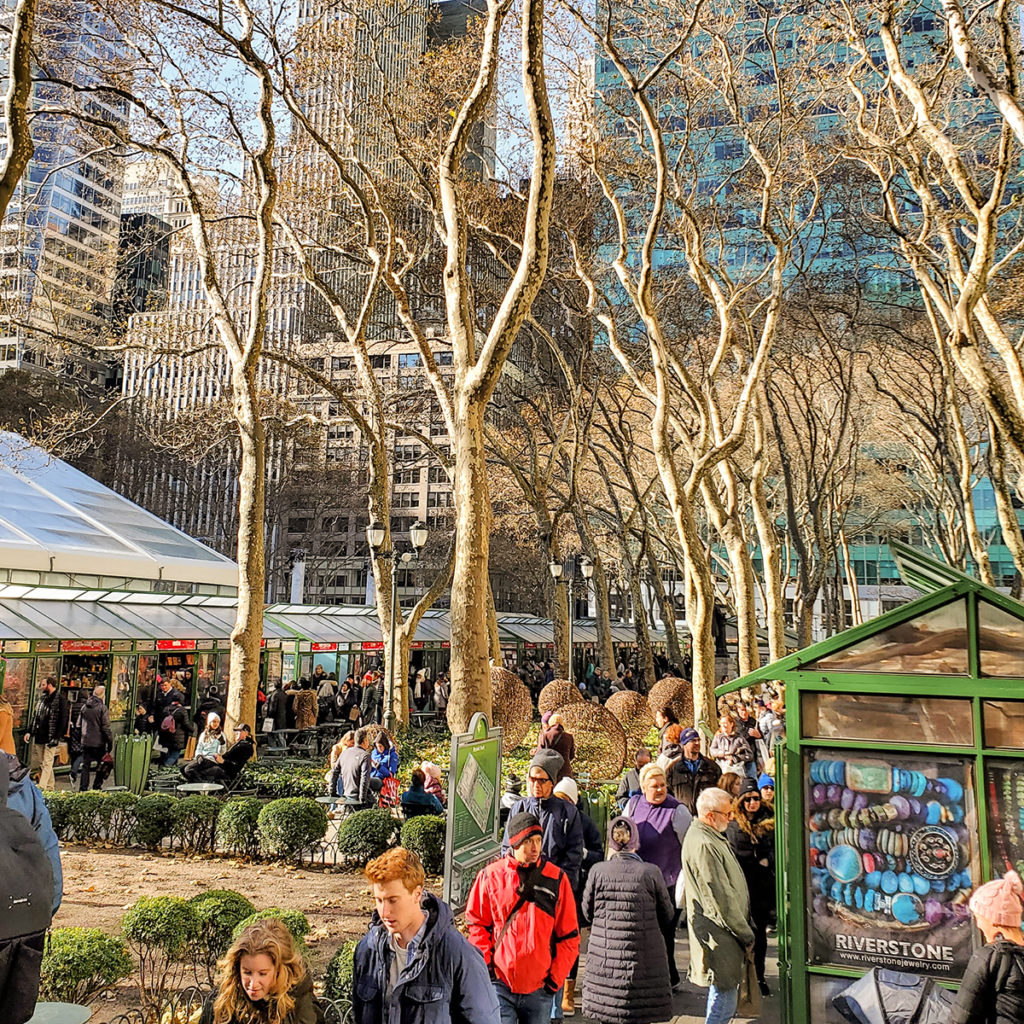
(901, 786)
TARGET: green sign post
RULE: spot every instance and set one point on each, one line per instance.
(473, 835)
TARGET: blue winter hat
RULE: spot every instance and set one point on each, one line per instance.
(765, 782)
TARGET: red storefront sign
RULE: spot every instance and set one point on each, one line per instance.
(373, 645)
(416, 645)
(85, 646)
(175, 645)
(324, 647)
(446, 644)
(529, 647)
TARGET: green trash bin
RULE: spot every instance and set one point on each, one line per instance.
(132, 756)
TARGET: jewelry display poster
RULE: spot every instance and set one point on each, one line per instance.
(892, 852)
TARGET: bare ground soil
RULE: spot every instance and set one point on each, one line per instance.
(99, 885)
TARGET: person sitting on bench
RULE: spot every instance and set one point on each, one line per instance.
(224, 767)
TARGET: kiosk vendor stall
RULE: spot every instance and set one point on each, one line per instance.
(901, 788)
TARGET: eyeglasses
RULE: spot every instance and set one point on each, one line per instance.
(540, 780)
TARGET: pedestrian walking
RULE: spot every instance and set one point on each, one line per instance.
(97, 738)
(175, 728)
(628, 908)
(522, 917)
(555, 738)
(560, 821)
(992, 991)
(263, 977)
(692, 773)
(751, 835)
(662, 823)
(731, 749)
(717, 907)
(414, 966)
(49, 727)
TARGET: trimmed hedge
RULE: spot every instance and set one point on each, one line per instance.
(291, 825)
(367, 834)
(237, 826)
(115, 817)
(219, 912)
(194, 822)
(424, 835)
(81, 963)
(340, 968)
(277, 784)
(294, 920)
(154, 819)
(161, 933)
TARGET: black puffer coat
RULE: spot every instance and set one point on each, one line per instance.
(625, 979)
(993, 987)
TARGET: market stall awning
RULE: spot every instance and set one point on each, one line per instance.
(132, 617)
(347, 624)
(54, 519)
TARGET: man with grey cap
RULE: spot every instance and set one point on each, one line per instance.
(560, 820)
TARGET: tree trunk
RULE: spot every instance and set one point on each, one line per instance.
(470, 664)
(667, 607)
(1007, 514)
(493, 634)
(857, 613)
(771, 548)
(248, 629)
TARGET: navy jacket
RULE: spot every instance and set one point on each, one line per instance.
(444, 982)
(563, 833)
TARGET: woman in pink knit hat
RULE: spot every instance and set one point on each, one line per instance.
(993, 987)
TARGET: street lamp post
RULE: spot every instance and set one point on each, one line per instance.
(375, 534)
(571, 585)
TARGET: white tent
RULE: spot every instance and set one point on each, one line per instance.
(54, 519)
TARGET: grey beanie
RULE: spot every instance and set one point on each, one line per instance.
(549, 761)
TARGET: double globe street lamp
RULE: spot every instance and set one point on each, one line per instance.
(573, 584)
(375, 534)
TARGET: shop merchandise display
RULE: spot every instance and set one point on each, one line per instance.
(891, 860)
(1004, 783)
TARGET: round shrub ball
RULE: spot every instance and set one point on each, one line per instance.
(154, 818)
(338, 977)
(168, 923)
(511, 707)
(366, 834)
(424, 835)
(294, 920)
(556, 693)
(674, 693)
(600, 740)
(633, 714)
(219, 911)
(290, 825)
(81, 963)
(194, 821)
(237, 825)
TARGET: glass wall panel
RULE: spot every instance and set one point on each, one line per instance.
(1000, 641)
(887, 718)
(121, 685)
(17, 686)
(1003, 723)
(934, 643)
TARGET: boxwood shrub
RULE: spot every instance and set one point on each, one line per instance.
(338, 978)
(57, 805)
(367, 834)
(83, 815)
(154, 819)
(424, 835)
(237, 826)
(294, 920)
(290, 825)
(161, 933)
(81, 963)
(194, 822)
(115, 817)
(218, 911)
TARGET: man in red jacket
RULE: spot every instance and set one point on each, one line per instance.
(522, 917)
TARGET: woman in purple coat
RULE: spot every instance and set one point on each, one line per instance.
(661, 822)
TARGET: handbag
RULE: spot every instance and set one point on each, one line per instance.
(749, 1003)
(268, 725)
(353, 714)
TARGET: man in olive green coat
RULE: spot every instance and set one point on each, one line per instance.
(717, 906)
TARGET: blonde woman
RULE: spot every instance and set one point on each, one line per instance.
(262, 980)
(346, 741)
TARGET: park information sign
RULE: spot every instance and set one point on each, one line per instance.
(473, 837)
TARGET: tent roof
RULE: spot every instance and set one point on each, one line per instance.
(55, 519)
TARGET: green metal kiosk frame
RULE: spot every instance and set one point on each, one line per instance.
(900, 788)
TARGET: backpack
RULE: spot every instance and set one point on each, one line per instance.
(25, 870)
(168, 724)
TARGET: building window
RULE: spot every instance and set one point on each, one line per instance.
(408, 359)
